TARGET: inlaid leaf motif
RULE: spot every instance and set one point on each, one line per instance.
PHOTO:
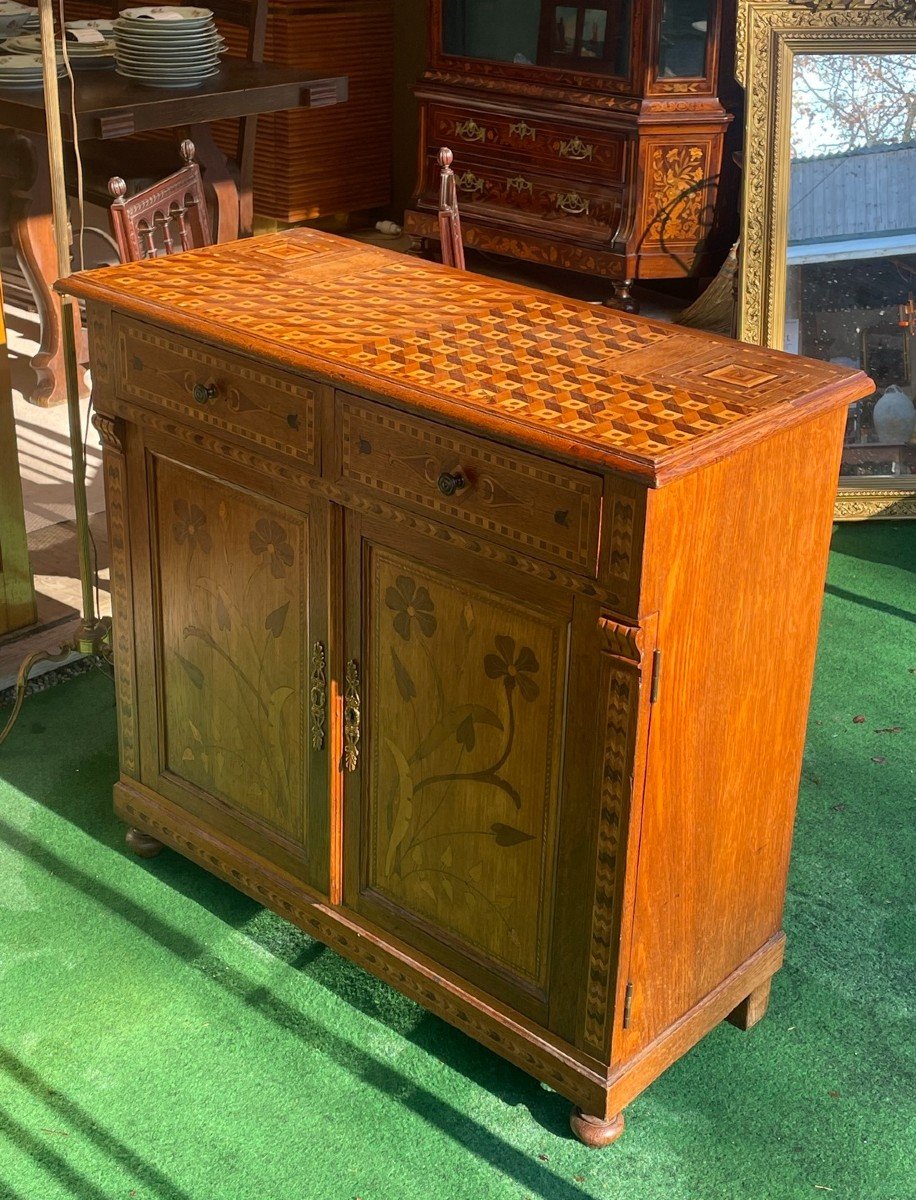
(465, 733)
(275, 715)
(193, 672)
(403, 805)
(476, 713)
(223, 618)
(508, 835)
(402, 678)
(276, 620)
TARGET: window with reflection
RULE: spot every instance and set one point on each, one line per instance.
(591, 37)
(682, 39)
(851, 255)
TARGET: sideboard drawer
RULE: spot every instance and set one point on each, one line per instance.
(554, 146)
(491, 183)
(543, 508)
(216, 388)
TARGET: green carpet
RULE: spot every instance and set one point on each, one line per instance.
(162, 1037)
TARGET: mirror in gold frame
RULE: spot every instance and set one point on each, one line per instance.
(828, 241)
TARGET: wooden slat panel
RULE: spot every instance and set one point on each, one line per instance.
(17, 598)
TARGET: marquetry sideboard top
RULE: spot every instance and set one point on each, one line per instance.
(651, 399)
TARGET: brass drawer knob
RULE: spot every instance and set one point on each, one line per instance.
(450, 482)
(204, 392)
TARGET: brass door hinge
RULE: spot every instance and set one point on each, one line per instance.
(627, 1004)
(656, 675)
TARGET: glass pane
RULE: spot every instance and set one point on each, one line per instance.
(852, 245)
(593, 37)
(682, 39)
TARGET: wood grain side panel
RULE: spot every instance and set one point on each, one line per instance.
(735, 563)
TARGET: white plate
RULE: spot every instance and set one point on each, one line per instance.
(30, 43)
(146, 39)
(166, 14)
(101, 25)
(167, 81)
(18, 64)
(164, 69)
(179, 64)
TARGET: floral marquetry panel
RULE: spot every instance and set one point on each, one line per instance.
(463, 702)
(232, 573)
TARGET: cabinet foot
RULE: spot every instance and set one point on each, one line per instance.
(419, 246)
(622, 298)
(752, 1008)
(595, 1131)
(143, 844)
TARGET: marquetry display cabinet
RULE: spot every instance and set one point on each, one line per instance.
(471, 629)
(587, 136)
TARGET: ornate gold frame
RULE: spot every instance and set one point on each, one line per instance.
(770, 33)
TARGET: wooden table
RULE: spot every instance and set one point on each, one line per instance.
(110, 106)
(471, 628)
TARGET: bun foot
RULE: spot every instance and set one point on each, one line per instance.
(594, 1131)
(142, 844)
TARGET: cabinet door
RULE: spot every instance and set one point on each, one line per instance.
(233, 705)
(455, 802)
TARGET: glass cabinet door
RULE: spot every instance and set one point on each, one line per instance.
(592, 36)
(682, 38)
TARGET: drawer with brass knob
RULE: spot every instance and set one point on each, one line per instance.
(549, 145)
(545, 509)
(567, 201)
(203, 384)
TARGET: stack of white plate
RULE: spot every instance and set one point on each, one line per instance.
(94, 56)
(14, 17)
(22, 72)
(167, 47)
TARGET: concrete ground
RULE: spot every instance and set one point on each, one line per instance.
(47, 492)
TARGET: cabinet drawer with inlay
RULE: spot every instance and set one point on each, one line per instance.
(218, 389)
(554, 146)
(542, 508)
(490, 184)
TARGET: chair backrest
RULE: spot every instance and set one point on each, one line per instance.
(449, 216)
(162, 219)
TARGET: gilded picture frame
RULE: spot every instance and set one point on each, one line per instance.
(769, 34)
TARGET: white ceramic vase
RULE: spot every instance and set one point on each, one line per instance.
(894, 417)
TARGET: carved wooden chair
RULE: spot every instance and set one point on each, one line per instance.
(163, 219)
(449, 216)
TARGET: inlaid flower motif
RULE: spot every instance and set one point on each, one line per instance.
(514, 670)
(410, 604)
(190, 525)
(271, 539)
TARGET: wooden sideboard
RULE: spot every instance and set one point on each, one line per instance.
(471, 629)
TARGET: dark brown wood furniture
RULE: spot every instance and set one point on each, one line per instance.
(166, 218)
(471, 628)
(449, 216)
(590, 135)
(141, 161)
(109, 106)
